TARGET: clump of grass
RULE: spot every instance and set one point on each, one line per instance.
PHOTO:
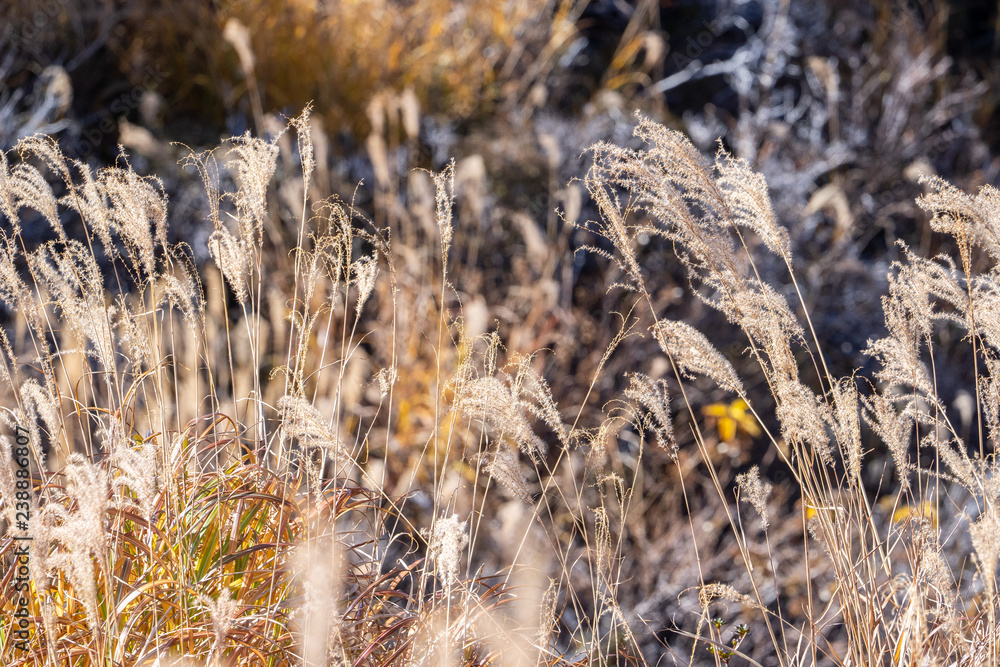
(186, 502)
(899, 589)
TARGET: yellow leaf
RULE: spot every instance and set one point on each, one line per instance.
(925, 510)
(727, 429)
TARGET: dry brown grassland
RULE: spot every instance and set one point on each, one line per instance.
(316, 450)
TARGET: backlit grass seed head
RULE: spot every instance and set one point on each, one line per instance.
(613, 226)
(134, 337)
(8, 202)
(136, 464)
(447, 540)
(695, 355)
(223, 611)
(8, 488)
(989, 387)
(302, 421)
(319, 566)
(138, 211)
(78, 535)
(29, 189)
(528, 384)
(365, 270)
(444, 185)
(74, 280)
(14, 291)
(180, 291)
(894, 428)
(709, 593)
(970, 220)
(42, 404)
(503, 466)
(847, 426)
(492, 402)
(89, 200)
(755, 492)
(602, 540)
(255, 165)
(386, 379)
(652, 409)
(765, 316)
(88, 486)
(303, 134)
(748, 204)
(803, 417)
(985, 534)
(233, 259)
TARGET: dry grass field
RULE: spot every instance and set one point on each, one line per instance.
(490, 333)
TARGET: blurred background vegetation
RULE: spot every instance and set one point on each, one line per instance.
(840, 104)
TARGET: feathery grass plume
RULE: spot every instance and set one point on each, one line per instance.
(744, 192)
(547, 606)
(255, 163)
(652, 395)
(803, 417)
(8, 201)
(908, 319)
(985, 534)
(502, 403)
(503, 466)
(233, 259)
(709, 593)
(695, 355)
(78, 535)
(594, 440)
(894, 428)
(754, 491)
(179, 290)
(671, 181)
(602, 542)
(989, 387)
(302, 421)
(614, 227)
(365, 269)
(46, 149)
(134, 337)
(28, 188)
(494, 403)
(933, 575)
(535, 397)
(986, 297)
(138, 213)
(40, 402)
(73, 278)
(386, 379)
(970, 220)
(447, 539)
(137, 466)
(88, 198)
(16, 295)
(303, 136)
(8, 484)
(766, 317)
(444, 198)
(846, 425)
(223, 611)
(207, 167)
